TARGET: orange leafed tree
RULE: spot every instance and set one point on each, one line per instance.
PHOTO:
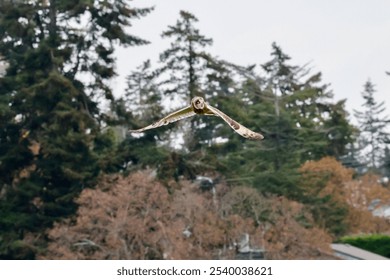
(328, 177)
(136, 218)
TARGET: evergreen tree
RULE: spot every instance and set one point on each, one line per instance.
(188, 71)
(143, 99)
(320, 126)
(299, 121)
(185, 61)
(386, 162)
(183, 70)
(340, 132)
(60, 57)
(142, 96)
(373, 126)
(353, 158)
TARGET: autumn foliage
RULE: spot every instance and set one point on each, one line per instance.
(328, 178)
(136, 217)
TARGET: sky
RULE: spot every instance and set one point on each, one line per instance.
(348, 41)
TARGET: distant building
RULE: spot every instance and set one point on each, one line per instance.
(349, 252)
(382, 211)
(246, 252)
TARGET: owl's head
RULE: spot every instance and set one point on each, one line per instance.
(198, 103)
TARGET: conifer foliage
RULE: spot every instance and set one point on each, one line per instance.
(185, 59)
(299, 119)
(59, 57)
(373, 126)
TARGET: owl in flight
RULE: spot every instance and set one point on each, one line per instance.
(199, 106)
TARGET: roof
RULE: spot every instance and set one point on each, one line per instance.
(349, 252)
(383, 211)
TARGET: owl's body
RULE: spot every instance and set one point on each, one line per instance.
(200, 107)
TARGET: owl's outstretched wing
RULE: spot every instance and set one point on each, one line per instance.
(237, 127)
(173, 117)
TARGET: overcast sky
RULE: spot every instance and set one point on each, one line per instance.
(347, 40)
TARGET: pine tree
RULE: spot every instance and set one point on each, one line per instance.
(341, 134)
(185, 60)
(60, 57)
(386, 162)
(352, 158)
(298, 118)
(143, 100)
(183, 70)
(321, 126)
(143, 96)
(373, 126)
(188, 70)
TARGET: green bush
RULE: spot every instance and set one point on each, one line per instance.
(376, 243)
